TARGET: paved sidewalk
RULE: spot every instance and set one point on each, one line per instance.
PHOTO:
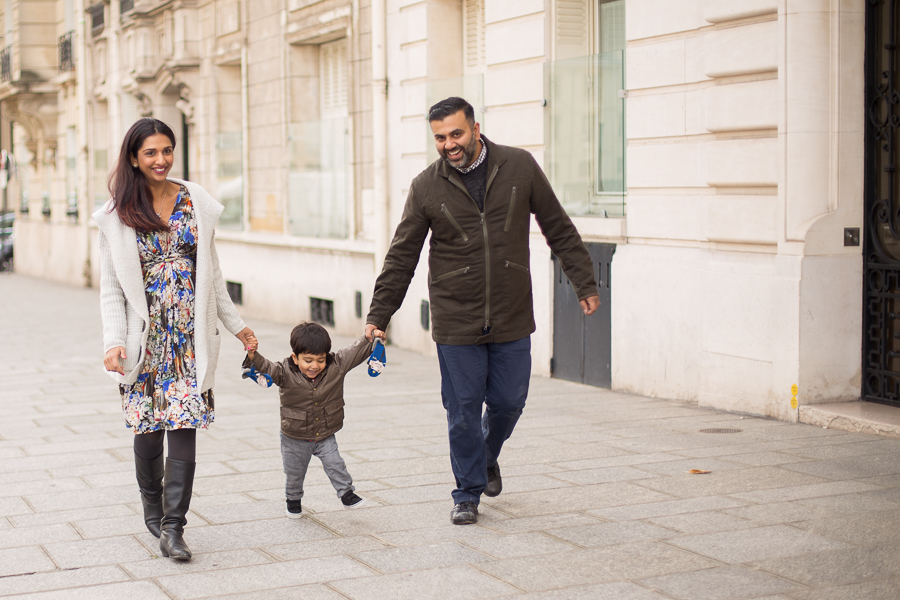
(597, 500)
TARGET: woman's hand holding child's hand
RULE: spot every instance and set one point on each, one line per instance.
(248, 339)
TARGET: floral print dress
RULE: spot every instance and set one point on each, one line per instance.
(165, 395)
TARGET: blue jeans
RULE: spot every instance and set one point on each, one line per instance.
(493, 377)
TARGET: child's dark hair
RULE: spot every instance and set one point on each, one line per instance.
(310, 338)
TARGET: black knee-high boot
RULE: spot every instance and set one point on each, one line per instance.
(176, 502)
(149, 475)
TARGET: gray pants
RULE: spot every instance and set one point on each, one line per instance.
(295, 455)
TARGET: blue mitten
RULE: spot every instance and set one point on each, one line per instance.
(377, 360)
(262, 379)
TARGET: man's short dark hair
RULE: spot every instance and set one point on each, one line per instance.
(310, 338)
(451, 106)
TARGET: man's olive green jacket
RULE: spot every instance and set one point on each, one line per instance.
(478, 263)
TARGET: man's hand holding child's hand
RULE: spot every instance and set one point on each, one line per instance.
(252, 347)
(372, 331)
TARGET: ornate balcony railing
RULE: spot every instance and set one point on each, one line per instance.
(66, 52)
(6, 64)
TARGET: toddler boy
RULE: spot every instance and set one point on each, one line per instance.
(311, 387)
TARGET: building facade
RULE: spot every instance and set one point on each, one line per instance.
(711, 152)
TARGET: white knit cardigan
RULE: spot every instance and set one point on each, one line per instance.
(123, 304)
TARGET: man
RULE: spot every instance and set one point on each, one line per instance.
(477, 201)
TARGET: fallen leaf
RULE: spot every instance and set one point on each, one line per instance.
(698, 472)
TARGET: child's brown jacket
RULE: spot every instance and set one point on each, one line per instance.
(313, 410)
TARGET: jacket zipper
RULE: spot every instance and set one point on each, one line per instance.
(464, 270)
(512, 203)
(515, 266)
(446, 211)
(487, 256)
(487, 249)
(487, 275)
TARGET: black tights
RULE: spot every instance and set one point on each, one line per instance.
(182, 444)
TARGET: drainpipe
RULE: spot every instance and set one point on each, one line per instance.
(245, 138)
(379, 132)
(79, 51)
(286, 100)
(245, 118)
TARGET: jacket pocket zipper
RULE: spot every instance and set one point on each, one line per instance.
(512, 204)
(446, 211)
(450, 274)
(515, 266)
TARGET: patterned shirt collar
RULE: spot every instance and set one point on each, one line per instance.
(477, 162)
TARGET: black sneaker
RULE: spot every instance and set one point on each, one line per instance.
(464, 513)
(495, 484)
(294, 510)
(351, 500)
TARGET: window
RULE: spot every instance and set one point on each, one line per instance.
(71, 171)
(586, 108)
(235, 292)
(97, 18)
(100, 167)
(229, 146)
(321, 311)
(318, 190)
(471, 85)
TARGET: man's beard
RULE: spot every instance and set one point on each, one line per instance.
(468, 155)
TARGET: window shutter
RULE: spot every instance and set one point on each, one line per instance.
(473, 16)
(333, 77)
(572, 29)
(8, 21)
(70, 15)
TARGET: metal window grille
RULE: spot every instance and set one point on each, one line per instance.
(321, 311)
(235, 292)
(6, 64)
(66, 52)
(125, 6)
(97, 18)
(425, 315)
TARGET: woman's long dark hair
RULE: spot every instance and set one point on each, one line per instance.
(131, 197)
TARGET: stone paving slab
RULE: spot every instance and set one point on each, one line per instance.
(720, 583)
(755, 544)
(61, 580)
(145, 590)
(597, 503)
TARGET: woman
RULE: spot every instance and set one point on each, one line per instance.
(161, 292)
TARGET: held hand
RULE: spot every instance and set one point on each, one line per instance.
(114, 359)
(590, 305)
(252, 347)
(247, 337)
(373, 331)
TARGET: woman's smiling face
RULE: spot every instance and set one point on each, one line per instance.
(155, 157)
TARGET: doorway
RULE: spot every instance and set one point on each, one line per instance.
(582, 346)
(881, 224)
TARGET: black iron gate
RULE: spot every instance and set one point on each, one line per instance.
(881, 238)
(582, 345)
